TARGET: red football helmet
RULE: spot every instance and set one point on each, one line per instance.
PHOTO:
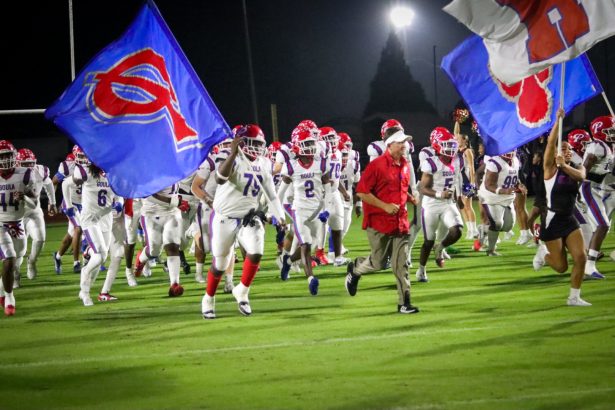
(329, 136)
(70, 157)
(304, 142)
(508, 156)
(345, 140)
(272, 149)
(26, 158)
(80, 157)
(602, 129)
(578, 139)
(389, 124)
(307, 124)
(7, 155)
(443, 142)
(254, 144)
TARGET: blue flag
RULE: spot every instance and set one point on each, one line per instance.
(509, 116)
(139, 111)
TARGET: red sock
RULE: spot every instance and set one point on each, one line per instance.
(212, 283)
(249, 272)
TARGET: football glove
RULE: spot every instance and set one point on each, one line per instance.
(469, 190)
(117, 207)
(323, 216)
(70, 212)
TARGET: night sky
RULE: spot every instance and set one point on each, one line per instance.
(314, 59)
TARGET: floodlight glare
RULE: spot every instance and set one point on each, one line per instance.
(401, 16)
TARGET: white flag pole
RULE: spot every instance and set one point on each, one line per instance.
(561, 105)
(608, 104)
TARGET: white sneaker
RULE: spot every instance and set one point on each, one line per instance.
(523, 238)
(445, 254)
(242, 302)
(295, 267)
(577, 302)
(208, 307)
(344, 250)
(539, 258)
(421, 275)
(32, 273)
(199, 277)
(130, 279)
(331, 256)
(508, 235)
(228, 286)
(341, 261)
(86, 299)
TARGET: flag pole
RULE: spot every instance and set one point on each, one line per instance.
(608, 104)
(561, 105)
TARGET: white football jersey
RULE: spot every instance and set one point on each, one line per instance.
(40, 180)
(97, 196)
(154, 206)
(307, 187)
(444, 177)
(65, 170)
(350, 175)
(335, 168)
(207, 171)
(508, 177)
(576, 159)
(604, 155)
(20, 180)
(241, 193)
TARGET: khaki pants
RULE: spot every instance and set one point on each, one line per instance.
(384, 247)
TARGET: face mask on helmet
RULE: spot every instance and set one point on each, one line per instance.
(443, 142)
(329, 136)
(578, 139)
(253, 140)
(345, 155)
(7, 155)
(306, 147)
(26, 158)
(603, 128)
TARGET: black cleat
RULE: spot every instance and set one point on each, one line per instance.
(352, 280)
(407, 309)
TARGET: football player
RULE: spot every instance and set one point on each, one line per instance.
(15, 186)
(350, 176)
(441, 189)
(73, 235)
(34, 221)
(498, 189)
(242, 177)
(578, 139)
(98, 201)
(308, 173)
(598, 162)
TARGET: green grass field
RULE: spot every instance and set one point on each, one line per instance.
(492, 334)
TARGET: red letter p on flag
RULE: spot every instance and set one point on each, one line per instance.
(552, 25)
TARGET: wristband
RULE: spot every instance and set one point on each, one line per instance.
(497, 191)
(221, 176)
(439, 194)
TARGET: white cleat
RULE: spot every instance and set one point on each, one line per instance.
(421, 275)
(199, 278)
(341, 261)
(130, 279)
(242, 302)
(147, 270)
(32, 272)
(86, 299)
(208, 307)
(524, 238)
(577, 302)
(445, 254)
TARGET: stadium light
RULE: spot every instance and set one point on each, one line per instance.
(401, 16)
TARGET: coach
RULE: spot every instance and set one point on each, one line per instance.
(383, 188)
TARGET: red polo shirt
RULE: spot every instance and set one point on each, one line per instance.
(389, 183)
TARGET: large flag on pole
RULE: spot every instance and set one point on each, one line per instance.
(509, 116)
(524, 37)
(139, 110)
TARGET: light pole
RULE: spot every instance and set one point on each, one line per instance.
(250, 67)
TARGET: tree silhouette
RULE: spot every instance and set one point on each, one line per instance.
(393, 88)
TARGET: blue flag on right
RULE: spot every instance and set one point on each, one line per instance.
(509, 116)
